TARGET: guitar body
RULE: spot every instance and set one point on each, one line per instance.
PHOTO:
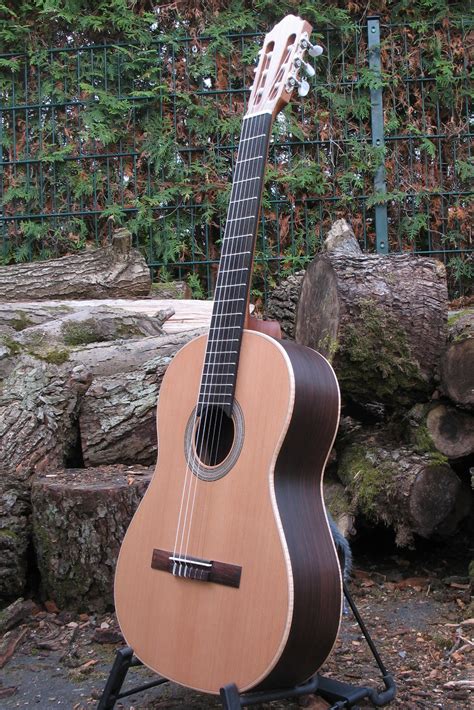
(260, 510)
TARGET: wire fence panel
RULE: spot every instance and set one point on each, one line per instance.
(103, 135)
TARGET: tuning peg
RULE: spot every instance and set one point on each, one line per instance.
(314, 50)
(303, 87)
(307, 68)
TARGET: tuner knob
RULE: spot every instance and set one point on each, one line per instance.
(303, 87)
(314, 50)
(307, 68)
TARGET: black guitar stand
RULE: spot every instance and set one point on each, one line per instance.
(341, 695)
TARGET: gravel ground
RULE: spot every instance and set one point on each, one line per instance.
(417, 606)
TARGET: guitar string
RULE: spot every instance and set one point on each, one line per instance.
(235, 312)
(247, 241)
(182, 523)
(211, 352)
(222, 307)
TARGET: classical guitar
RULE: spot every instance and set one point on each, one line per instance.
(228, 572)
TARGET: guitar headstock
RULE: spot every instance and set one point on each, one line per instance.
(281, 60)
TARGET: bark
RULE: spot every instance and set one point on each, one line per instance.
(457, 369)
(283, 303)
(109, 359)
(79, 520)
(413, 493)
(442, 428)
(171, 290)
(381, 320)
(38, 414)
(114, 271)
(118, 416)
(92, 325)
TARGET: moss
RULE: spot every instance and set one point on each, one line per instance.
(14, 347)
(128, 331)
(454, 317)
(367, 480)
(81, 333)
(376, 361)
(10, 534)
(422, 442)
(471, 570)
(21, 322)
(53, 356)
(329, 346)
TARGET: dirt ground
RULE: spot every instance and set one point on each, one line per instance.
(417, 605)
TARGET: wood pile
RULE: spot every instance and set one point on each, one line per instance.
(405, 368)
(79, 381)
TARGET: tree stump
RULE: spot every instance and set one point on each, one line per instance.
(380, 319)
(413, 493)
(111, 272)
(118, 416)
(80, 517)
(457, 364)
(38, 413)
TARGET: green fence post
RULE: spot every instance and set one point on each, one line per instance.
(376, 117)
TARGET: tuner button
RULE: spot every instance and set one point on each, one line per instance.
(303, 87)
(314, 50)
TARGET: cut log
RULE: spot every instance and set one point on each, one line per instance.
(440, 428)
(38, 413)
(283, 303)
(79, 520)
(457, 364)
(380, 319)
(108, 359)
(117, 420)
(92, 325)
(171, 290)
(412, 493)
(111, 272)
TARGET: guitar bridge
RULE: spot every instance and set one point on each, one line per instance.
(196, 568)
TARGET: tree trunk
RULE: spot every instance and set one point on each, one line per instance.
(412, 493)
(79, 520)
(457, 364)
(114, 271)
(118, 416)
(38, 412)
(380, 319)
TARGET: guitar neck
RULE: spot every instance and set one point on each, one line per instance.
(235, 267)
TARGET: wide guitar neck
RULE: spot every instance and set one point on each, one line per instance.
(235, 268)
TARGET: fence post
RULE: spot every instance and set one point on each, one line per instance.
(376, 117)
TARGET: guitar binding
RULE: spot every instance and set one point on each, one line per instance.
(341, 695)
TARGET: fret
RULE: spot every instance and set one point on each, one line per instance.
(228, 271)
(222, 364)
(226, 315)
(251, 138)
(247, 160)
(219, 340)
(235, 253)
(244, 199)
(238, 236)
(244, 283)
(224, 327)
(237, 182)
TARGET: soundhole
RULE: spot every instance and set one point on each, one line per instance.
(214, 436)
(213, 441)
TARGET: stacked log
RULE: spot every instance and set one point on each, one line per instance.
(406, 381)
(110, 272)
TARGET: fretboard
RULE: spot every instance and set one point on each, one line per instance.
(235, 266)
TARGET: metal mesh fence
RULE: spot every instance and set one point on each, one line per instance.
(102, 135)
